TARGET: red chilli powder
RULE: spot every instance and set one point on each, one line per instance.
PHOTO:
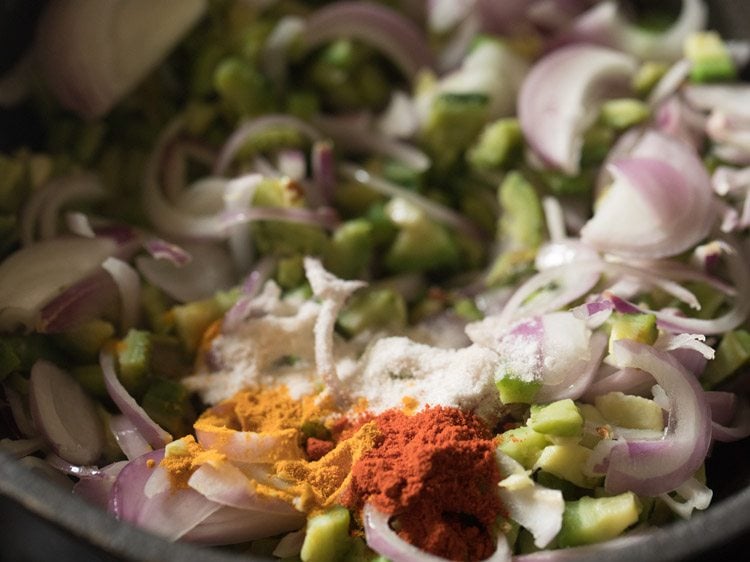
(435, 473)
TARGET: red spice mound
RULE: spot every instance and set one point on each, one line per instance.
(435, 472)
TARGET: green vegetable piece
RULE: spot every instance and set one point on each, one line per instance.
(597, 142)
(591, 520)
(567, 462)
(12, 184)
(351, 249)
(85, 341)
(522, 221)
(242, 87)
(421, 244)
(732, 354)
(560, 418)
(516, 391)
(192, 319)
(156, 305)
(523, 444)
(373, 309)
(595, 425)
(711, 60)
(498, 145)
(302, 104)
(582, 184)
(621, 114)
(290, 272)
(91, 378)
(454, 122)
(626, 410)
(198, 117)
(638, 327)
(168, 404)
(466, 308)
(327, 537)
(647, 76)
(21, 352)
(510, 266)
(134, 358)
(9, 360)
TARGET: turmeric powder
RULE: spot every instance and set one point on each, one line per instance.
(183, 457)
(250, 418)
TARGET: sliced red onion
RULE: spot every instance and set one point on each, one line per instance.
(695, 495)
(163, 250)
(129, 287)
(562, 252)
(740, 428)
(595, 312)
(355, 135)
(729, 129)
(43, 469)
(276, 49)
(20, 448)
(290, 545)
(154, 435)
(723, 406)
(627, 381)
(97, 490)
(652, 467)
(557, 100)
(663, 221)
(64, 414)
(229, 525)
(726, 98)
(435, 211)
(129, 439)
(76, 187)
(252, 285)
(728, 180)
(324, 174)
(324, 217)
(399, 120)
(577, 379)
(604, 24)
(171, 514)
(20, 413)
(224, 483)
(249, 446)
(292, 163)
(442, 15)
(568, 283)
(84, 300)
(386, 542)
(554, 217)
(251, 128)
(210, 270)
(380, 27)
(93, 52)
(531, 505)
(33, 276)
(79, 224)
(84, 472)
(676, 119)
(238, 196)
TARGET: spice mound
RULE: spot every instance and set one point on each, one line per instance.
(435, 473)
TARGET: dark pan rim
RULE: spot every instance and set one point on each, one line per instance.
(722, 523)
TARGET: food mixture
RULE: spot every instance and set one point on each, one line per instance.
(377, 280)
